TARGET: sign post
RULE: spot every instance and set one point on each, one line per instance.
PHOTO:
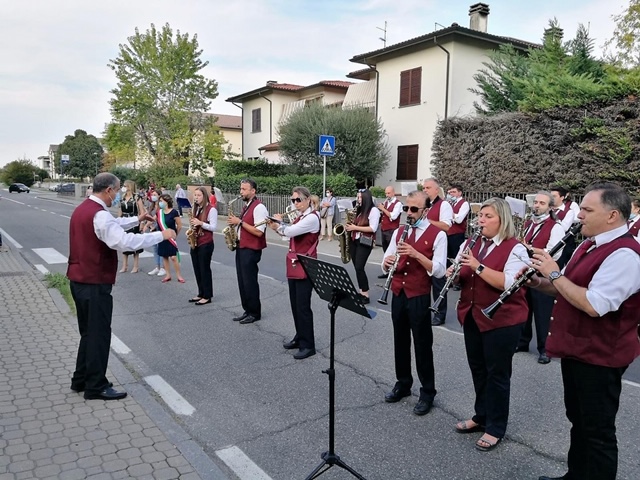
(326, 148)
(64, 160)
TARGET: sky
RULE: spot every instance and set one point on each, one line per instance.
(54, 77)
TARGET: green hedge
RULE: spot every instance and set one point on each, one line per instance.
(343, 185)
(251, 168)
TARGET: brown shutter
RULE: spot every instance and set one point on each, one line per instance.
(255, 120)
(407, 168)
(405, 87)
(416, 84)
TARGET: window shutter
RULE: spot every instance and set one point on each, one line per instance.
(405, 87)
(407, 168)
(255, 120)
(416, 84)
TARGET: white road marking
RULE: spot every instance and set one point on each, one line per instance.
(42, 269)
(633, 384)
(8, 237)
(241, 465)
(146, 254)
(50, 255)
(118, 345)
(65, 216)
(173, 399)
(267, 277)
(14, 201)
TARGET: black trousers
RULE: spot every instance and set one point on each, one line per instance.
(201, 261)
(453, 245)
(437, 284)
(411, 316)
(247, 261)
(567, 251)
(359, 256)
(387, 235)
(94, 306)
(540, 306)
(300, 299)
(592, 398)
(489, 355)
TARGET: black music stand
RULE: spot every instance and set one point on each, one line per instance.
(333, 284)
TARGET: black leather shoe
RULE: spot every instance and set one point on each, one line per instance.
(383, 276)
(364, 299)
(423, 407)
(436, 322)
(396, 395)
(304, 353)
(522, 349)
(107, 394)
(79, 388)
(249, 319)
(241, 317)
(552, 478)
(291, 345)
(543, 359)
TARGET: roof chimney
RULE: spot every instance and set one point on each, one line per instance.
(479, 14)
(272, 82)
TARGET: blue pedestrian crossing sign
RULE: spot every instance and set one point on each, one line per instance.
(326, 145)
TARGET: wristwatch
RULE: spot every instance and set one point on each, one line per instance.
(554, 275)
(479, 269)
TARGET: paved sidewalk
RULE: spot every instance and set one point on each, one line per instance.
(48, 431)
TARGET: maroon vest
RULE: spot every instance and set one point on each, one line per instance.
(434, 211)
(410, 276)
(458, 227)
(90, 259)
(387, 223)
(246, 239)
(307, 243)
(541, 240)
(610, 340)
(635, 228)
(205, 236)
(477, 294)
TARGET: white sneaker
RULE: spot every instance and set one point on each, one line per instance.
(154, 271)
(161, 272)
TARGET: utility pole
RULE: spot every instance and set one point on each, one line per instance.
(384, 38)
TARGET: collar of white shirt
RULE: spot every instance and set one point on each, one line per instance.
(99, 201)
(606, 237)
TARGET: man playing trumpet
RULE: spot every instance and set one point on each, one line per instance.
(422, 255)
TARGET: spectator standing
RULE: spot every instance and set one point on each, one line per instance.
(168, 218)
(327, 214)
(180, 193)
(131, 206)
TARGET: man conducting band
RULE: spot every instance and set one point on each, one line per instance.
(251, 242)
(440, 215)
(543, 232)
(422, 256)
(391, 211)
(594, 330)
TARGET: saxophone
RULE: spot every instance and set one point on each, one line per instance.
(344, 237)
(230, 232)
(193, 232)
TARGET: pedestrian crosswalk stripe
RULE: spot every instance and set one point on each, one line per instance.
(241, 464)
(50, 255)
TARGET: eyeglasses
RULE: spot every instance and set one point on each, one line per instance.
(362, 190)
(413, 209)
(296, 200)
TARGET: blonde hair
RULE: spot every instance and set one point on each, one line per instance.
(131, 185)
(315, 202)
(503, 210)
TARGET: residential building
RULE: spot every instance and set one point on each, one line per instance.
(265, 108)
(422, 81)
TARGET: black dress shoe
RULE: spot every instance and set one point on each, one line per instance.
(543, 477)
(437, 322)
(383, 276)
(249, 319)
(304, 353)
(396, 395)
(543, 359)
(107, 394)
(364, 299)
(79, 388)
(522, 349)
(241, 317)
(423, 407)
(291, 345)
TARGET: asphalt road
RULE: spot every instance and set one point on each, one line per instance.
(250, 394)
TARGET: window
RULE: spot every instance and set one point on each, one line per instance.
(407, 162)
(256, 124)
(410, 85)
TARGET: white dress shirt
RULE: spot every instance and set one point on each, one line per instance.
(111, 231)
(212, 220)
(609, 287)
(374, 221)
(397, 209)
(570, 217)
(557, 234)
(307, 224)
(439, 248)
(259, 215)
(446, 213)
(462, 213)
(633, 222)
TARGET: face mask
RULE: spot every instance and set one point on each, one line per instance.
(632, 216)
(117, 199)
(328, 194)
(154, 198)
(123, 189)
(450, 198)
(162, 204)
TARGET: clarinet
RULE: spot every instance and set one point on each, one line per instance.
(477, 231)
(392, 270)
(490, 311)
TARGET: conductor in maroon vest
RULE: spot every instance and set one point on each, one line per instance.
(487, 270)
(594, 327)
(422, 256)
(252, 240)
(94, 238)
(390, 214)
(542, 231)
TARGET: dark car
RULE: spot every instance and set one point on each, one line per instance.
(67, 188)
(18, 187)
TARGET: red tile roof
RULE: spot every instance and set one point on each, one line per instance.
(229, 121)
(289, 87)
(270, 147)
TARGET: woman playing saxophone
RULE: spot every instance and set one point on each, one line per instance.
(203, 222)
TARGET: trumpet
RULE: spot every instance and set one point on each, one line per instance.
(477, 231)
(289, 216)
(490, 311)
(392, 270)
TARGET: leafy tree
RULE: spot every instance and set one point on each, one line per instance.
(85, 155)
(162, 96)
(120, 142)
(361, 148)
(626, 36)
(19, 171)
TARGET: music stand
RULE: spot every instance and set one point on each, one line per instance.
(333, 284)
(183, 203)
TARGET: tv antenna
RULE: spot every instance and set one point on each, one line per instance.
(384, 30)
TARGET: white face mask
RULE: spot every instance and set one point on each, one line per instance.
(123, 189)
(154, 198)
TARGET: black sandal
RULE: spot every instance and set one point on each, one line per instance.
(465, 429)
(489, 446)
(194, 300)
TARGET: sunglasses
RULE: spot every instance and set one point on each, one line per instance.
(413, 209)
(296, 200)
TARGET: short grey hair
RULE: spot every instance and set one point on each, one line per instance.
(104, 180)
(420, 194)
(613, 196)
(548, 195)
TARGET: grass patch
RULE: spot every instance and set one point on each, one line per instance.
(60, 282)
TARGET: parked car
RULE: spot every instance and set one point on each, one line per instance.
(67, 187)
(55, 187)
(18, 187)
